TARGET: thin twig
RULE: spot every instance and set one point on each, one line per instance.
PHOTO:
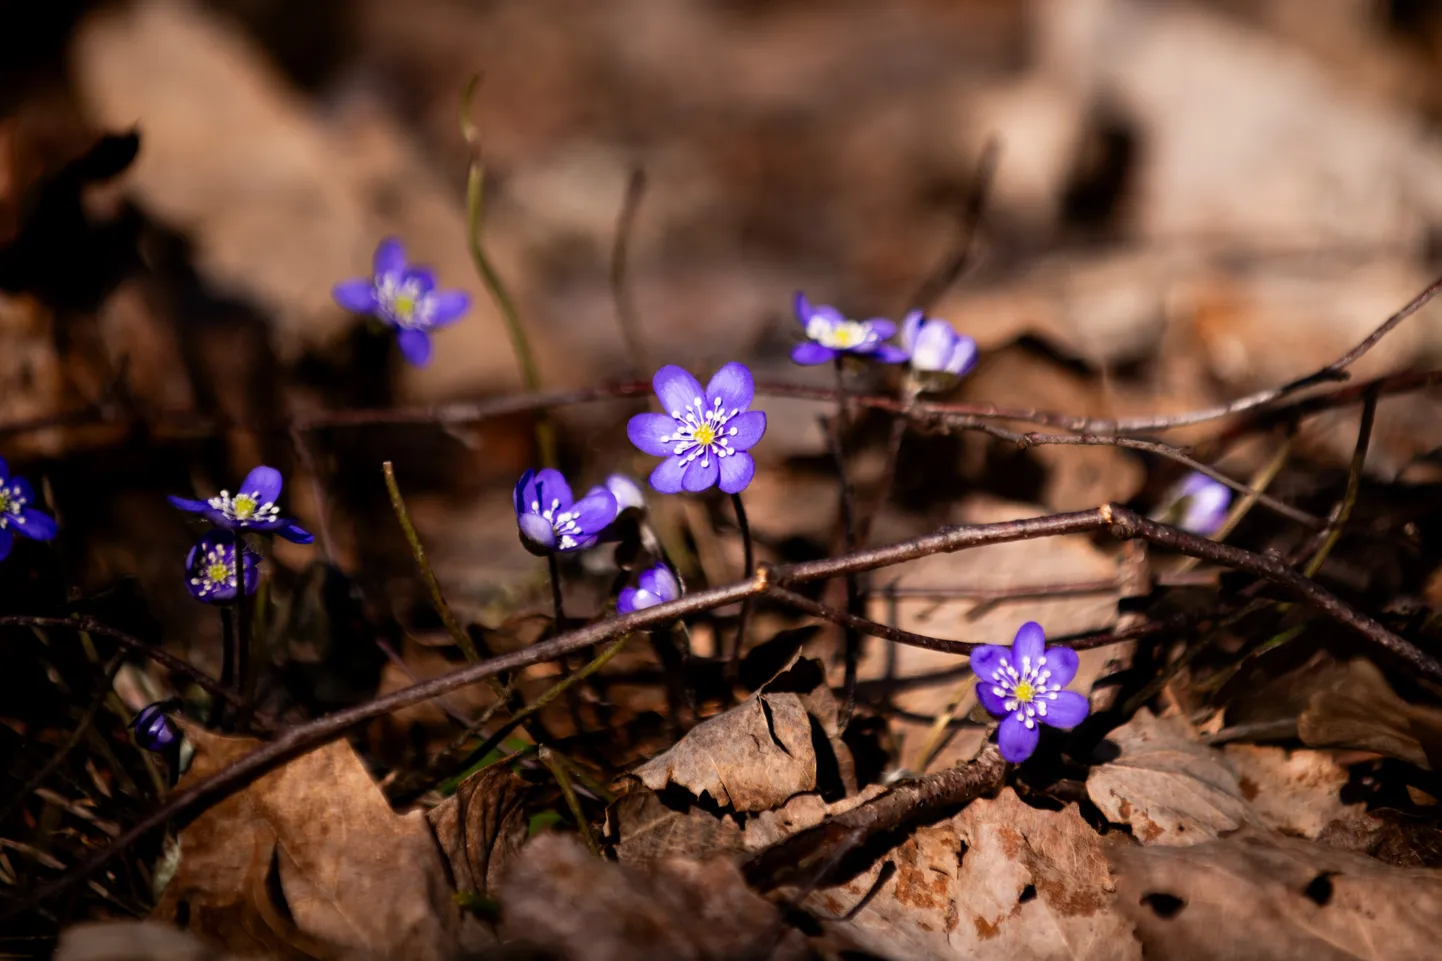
(1343, 512)
(563, 780)
(626, 315)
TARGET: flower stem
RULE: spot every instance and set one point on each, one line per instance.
(520, 343)
(848, 528)
(227, 646)
(559, 627)
(750, 565)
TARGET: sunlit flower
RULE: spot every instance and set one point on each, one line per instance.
(627, 492)
(830, 334)
(16, 514)
(656, 585)
(252, 508)
(704, 435)
(153, 729)
(1197, 504)
(935, 347)
(551, 521)
(1022, 685)
(405, 297)
(210, 568)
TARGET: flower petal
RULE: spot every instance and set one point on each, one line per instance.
(994, 703)
(933, 345)
(536, 533)
(595, 510)
(809, 354)
(26, 491)
(1062, 662)
(390, 257)
(701, 474)
(1016, 740)
(1067, 711)
(736, 472)
(521, 495)
(745, 430)
(647, 430)
(802, 307)
(186, 504)
(447, 307)
(828, 314)
(4, 469)
(1030, 642)
(358, 296)
(733, 385)
(986, 660)
(415, 346)
(660, 581)
(910, 325)
(296, 534)
(677, 389)
(667, 477)
(263, 483)
(626, 491)
(881, 327)
(422, 278)
(963, 356)
(37, 525)
(550, 490)
(626, 600)
(7, 541)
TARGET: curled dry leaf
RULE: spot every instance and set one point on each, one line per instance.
(571, 905)
(751, 758)
(1001, 880)
(1362, 711)
(1168, 786)
(309, 862)
(1269, 898)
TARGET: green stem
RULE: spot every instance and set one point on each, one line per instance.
(563, 779)
(749, 556)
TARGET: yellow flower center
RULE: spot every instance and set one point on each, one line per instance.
(404, 305)
(4, 500)
(244, 506)
(848, 334)
(1024, 692)
(218, 573)
(704, 435)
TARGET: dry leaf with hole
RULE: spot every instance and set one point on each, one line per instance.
(1269, 898)
(574, 906)
(1362, 711)
(309, 862)
(1168, 786)
(1001, 880)
(751, 758)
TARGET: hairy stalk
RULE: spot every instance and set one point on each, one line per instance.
(851, 637)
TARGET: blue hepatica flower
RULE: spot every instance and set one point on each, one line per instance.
(210, 568)
(153, 729)
(1023, 685)
(16, 514)
(1198, 504)
(704, 434)
(551, 521)
(253, 507)
(831, 334)
(405, 297)
(935, 347)
(656, 585)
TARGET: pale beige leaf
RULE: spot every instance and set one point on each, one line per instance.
(1295, 792)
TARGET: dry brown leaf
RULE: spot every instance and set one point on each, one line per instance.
(309, 862)
(1269, 898)
(135, 941)
(1362, 711)
(1295, 792)
(751, 758)
(563, 900)
(1001, 880)
(1168, 786)
(643, 828)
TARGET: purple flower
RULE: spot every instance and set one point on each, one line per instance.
(1023, 687)
(704, 435)
(210, 568)
(934, 346)
(551, 521)
(252, 508)
(656, 585)
(153, 729)
(830, 334)
(405, 297)
(626, 491)
(16, 514)
(1198, 504)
